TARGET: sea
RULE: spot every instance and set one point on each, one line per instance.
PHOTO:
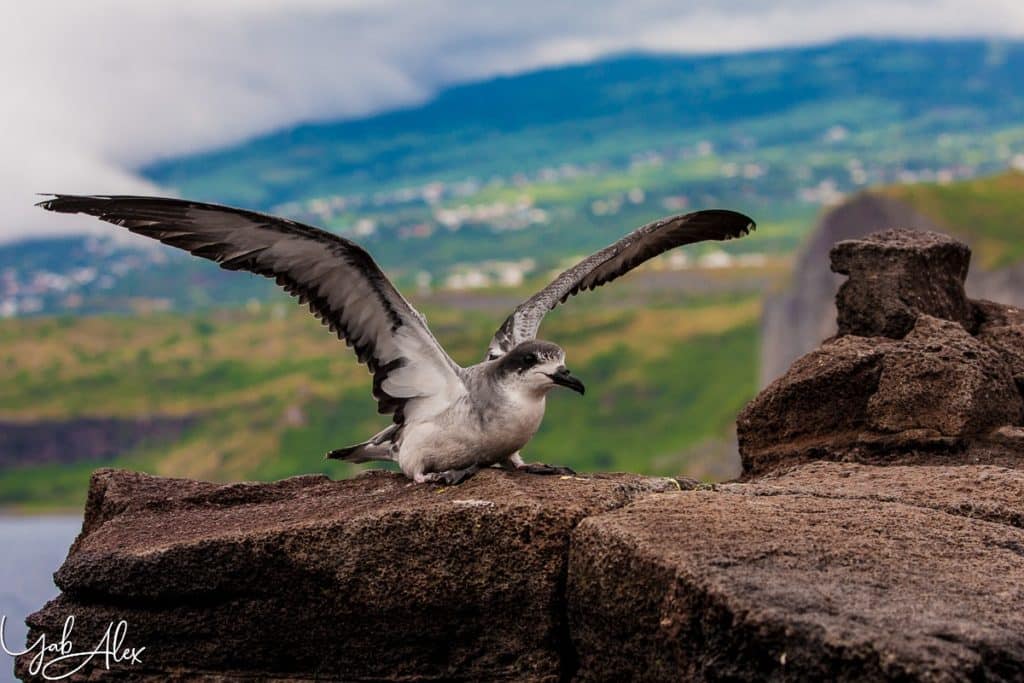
(31, 549)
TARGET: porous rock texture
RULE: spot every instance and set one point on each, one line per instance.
(877, 534)
(917, 373)
(897, 275)
(365, 579)
(776, 584)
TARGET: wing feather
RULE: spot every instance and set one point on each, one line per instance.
(337, 278)
(616, 260)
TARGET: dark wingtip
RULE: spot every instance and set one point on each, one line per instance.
(50, 198)
(736, 224)
(65, 203)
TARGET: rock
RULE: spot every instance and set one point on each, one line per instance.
(796, 320)
(369, 578)
(940, 378)
(897, 275)
(830, 571)
(1002, 328)
(994, 494)
(923, 388)
(795, 586)
(991, 314)
(822, 399)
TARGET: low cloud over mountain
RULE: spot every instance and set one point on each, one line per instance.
(95, 89)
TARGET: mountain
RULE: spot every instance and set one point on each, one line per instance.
(528, 170)
(563, 160)
(607, 111)
(987, 213)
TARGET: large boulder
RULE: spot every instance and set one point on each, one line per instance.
(941, 379)
(897, 275)
(367, 579)
(917, 369)
(836, 572)
(795, 320)
(831, 571)
(1001, 327)
(823, 398)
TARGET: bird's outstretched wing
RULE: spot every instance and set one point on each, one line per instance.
(339, 280)
(614, 260)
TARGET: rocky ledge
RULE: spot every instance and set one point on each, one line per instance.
(878, 533)
(918, 373)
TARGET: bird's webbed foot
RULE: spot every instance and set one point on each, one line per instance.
(541, 468)
(447, 477)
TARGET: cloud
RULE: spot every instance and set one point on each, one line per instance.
(95, 89)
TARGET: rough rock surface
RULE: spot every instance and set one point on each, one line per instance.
(796, 320)
(365, 579)
(1001, 327)
(795, 584)
(985, 492)
(918, 369)
(942, 379)
(897, 275)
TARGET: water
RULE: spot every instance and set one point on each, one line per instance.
(31, 549)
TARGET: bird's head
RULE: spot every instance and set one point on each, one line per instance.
(538, 367)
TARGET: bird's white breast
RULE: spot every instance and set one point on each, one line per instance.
(461, 437)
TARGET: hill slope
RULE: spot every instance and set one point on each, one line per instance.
(263, 394)
(608, 110)
(987, 212)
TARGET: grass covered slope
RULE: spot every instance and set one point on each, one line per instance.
(272, 391)
(986, 211)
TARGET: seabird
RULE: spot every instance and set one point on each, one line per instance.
(449, 421)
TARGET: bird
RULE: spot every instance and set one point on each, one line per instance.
(448, 421)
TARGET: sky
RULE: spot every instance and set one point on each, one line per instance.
(92, 90)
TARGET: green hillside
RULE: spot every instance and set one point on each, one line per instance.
(987, 211)
(272, 391)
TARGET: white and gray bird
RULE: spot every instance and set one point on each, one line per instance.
(449, 421)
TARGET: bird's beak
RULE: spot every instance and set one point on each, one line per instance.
(564, 378)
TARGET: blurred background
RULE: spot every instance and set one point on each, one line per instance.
(474, 151)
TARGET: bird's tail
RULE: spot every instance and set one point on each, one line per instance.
(377, 447)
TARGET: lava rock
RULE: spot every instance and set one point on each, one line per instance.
(794, 586)
(1001, 327)
(941, 378)
(822, 399)
(372, 578)
(985, 492)
(897, 275)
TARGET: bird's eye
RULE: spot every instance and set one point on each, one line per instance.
(530, 359)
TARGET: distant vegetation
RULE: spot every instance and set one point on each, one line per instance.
(989, 211)
(563, 160)
(274, 391)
